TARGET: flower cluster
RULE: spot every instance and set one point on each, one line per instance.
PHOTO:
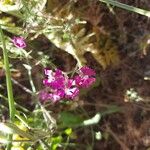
(19, 42)
(59, 85)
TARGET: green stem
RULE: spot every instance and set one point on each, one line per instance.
(31, 81)
(8, 83)
(127, 7)
(67, 143)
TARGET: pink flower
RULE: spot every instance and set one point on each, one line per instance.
(19, 42)
(85, 78)
(85, 81)
(60, 86)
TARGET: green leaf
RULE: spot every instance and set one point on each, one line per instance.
(56, 141)
(111, 109)
(66, 37)
(68, 131)
(70, 119)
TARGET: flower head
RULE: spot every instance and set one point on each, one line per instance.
(19, 42)
(61, 86)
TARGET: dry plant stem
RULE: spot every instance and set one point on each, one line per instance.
(127, 7)
(46, 146)
(123, 146)
(21, 86)
(9, 85)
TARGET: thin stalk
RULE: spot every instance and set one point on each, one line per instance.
(127, 7)
(31, 81)
(12, 109)
(22, 120)
(67, 143)
(21, 86)
(44, 144)
(16, 104)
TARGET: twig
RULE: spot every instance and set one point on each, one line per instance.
(124, 147)
(20, 85)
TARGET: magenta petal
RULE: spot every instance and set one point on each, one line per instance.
(61, 93)
(85, 81)
(88, 82)
(87, 71)
(46, 82)
(43, 95)
(58, 73)
(57, 95)
(19, 42)
(71, 92)
(48, 72)
(78, 80)
(70, 82)
(57, 84)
